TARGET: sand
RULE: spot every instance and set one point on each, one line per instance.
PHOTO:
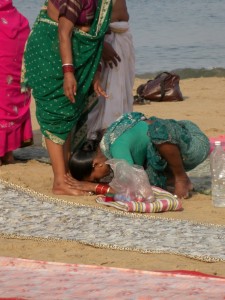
(204, 104)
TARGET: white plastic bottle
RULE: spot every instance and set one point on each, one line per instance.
(217, 166)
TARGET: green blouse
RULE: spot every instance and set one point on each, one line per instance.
(132, 144)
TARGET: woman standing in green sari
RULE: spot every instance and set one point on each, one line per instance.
(61, 64)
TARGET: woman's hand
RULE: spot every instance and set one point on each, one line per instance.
(97, 87)
(70, 86)
(109, 55)
(79, 185)
(83, 28)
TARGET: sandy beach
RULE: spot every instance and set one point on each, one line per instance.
(203, 104)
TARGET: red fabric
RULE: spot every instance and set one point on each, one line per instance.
(191, 273)
(15, 121)
(12, 299)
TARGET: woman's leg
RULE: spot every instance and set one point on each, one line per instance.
(67, 151)
(57, 157)
(182, 183)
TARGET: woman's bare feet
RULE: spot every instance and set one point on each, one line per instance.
(183, 187)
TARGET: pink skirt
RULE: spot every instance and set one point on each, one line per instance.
(15, 119)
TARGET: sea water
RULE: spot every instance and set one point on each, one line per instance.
(186, 36)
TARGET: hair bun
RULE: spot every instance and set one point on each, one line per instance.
(90, 145)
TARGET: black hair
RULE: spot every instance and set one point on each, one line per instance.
(81, 160)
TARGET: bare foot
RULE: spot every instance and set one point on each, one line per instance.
(64, 189)
(183, 187)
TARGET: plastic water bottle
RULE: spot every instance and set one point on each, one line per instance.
(217, 166)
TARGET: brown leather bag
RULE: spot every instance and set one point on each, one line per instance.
(164, 87)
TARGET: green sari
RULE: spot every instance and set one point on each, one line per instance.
(42, 71)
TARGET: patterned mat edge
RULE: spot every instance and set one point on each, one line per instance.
(102, 245)
(44, 197)
(208, 259)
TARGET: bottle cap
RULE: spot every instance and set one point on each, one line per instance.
(217, 143)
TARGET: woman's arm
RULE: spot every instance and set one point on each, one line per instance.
(65, 29)
(65, 34)
(70, 84)
(120, 12)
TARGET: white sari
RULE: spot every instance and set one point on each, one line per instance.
(117, 82)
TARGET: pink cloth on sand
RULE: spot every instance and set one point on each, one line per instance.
(39, 280)
(220, 138)
(15, 120)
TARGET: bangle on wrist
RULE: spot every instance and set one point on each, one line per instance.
(98, 189)
(68, 68)
(67, 65)
(102, 189)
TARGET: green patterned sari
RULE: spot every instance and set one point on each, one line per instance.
(42, 71)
